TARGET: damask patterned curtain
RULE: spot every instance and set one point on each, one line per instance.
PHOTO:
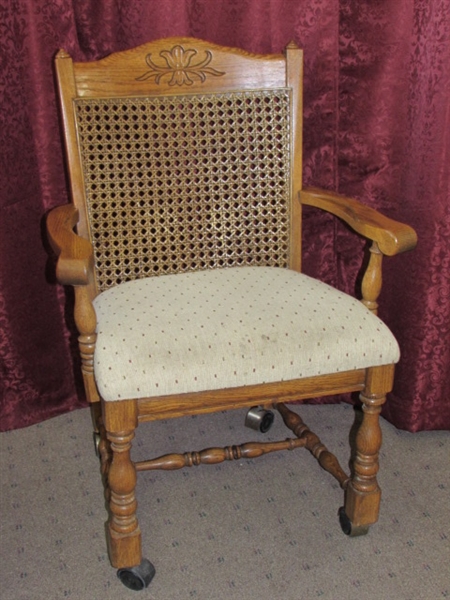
(377, 122)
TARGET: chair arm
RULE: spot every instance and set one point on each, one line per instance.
(391, 236)
(75, 254)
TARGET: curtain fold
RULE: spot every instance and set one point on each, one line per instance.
(394, 147)
(376, 126)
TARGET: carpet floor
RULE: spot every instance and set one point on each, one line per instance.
(265, 529)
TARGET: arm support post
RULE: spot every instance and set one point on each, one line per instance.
(388, 237)
(372, 280)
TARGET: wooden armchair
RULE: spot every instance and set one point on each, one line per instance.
(185, 164)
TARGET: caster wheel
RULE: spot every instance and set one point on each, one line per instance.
(260, 419)
(97, 443)
(137, 578)
(348, 528)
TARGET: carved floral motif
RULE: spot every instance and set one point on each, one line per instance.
(179, 67)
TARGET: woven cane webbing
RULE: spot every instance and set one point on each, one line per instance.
(181, 183)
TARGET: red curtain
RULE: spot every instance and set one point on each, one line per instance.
(377, 122)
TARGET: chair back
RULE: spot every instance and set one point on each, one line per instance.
(184, 155)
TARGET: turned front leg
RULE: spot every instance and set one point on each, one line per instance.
(124, 536)
(363, 495)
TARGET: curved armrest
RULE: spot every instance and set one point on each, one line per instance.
(75, 254)
(391, 236)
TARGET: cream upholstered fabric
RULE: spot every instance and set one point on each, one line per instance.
(230, 327)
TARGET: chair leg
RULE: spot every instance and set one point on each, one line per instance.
(123, 533)
(363, 495)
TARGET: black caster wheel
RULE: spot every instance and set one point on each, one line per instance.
(137, 578)
(348, 528)
(97, 443)
(260, 419)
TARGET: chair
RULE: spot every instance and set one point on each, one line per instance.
(185, 168)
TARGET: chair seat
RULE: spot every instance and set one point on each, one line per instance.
(230, 327)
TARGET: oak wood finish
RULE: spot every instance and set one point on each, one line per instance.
(391, 236)
(124, 536)
(213, 456)
(372, 280)
(388, 237)
(75, 256)
(362, 500)
(174, 67)
(325, 458)
(165, 407)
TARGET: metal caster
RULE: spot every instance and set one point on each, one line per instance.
(259, 418)
(137, 578)
(347, 526)
(97, 439)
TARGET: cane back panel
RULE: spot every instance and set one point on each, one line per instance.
(180, 183)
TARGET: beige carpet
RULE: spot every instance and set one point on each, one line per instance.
(251, 530)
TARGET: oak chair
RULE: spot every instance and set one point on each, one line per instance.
(185, 167)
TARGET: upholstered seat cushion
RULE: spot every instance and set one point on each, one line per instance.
(230, 327)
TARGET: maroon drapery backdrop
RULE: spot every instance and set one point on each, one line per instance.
(377, 121)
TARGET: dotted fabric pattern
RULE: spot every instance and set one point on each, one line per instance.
(230, 327)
